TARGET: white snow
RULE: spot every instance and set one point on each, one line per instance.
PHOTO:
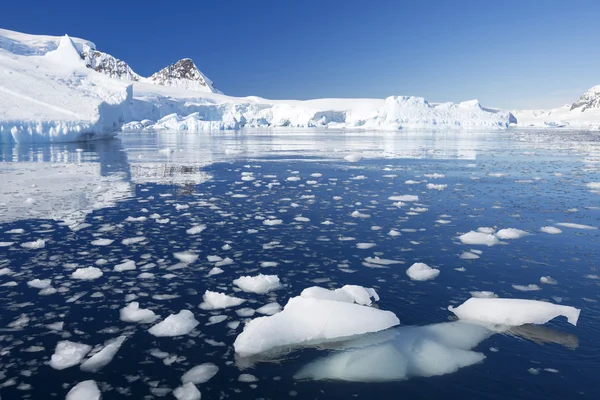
(216, 300)
(133, 313)
(422, 272)
(187, 391)
(510, 233)
(258, 284)
(67, 354)
(86, 390)
(552, 230)
(178, 324)
(200, 373)
(311, 320)
(513, 312)
(347, 293)
(54, 97)
(87, 274)
(102, 358)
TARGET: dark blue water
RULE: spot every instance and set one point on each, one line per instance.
(518, 180)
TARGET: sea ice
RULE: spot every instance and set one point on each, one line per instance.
(576, 226)
(552, 230)
(67, 354)
(200, 373)
(187, 391)
(527, 288)
(133, 313)
(87, 274)
(216, 301)
(484, 294)
(353, 157)
(422, 272)
(186, 257)
(548, 280)
(310, 320)
(510, 233)
(40, 283)
(102, 242)
(86, 390)
(102, 358)
(196, 229)
(513, 312)
(178, 324)
(480, 238)
(127, 265)
(258, 284)
(347, 294)
(269, 309)
(37, 244)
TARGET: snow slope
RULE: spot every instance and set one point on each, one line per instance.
(54, 97)
(584, 113)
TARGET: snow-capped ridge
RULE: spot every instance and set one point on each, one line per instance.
(185, 75)
(65, 54)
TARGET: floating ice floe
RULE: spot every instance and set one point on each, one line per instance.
(186, 257)
(576, 226)
(128, 265)
(102, 242)
(102, 358)
(86, 390)
(552, 230)
(467, 255)
(434, 186)
(196, 229)
(484, 294)
(259, 284)
(178, 324)
(479, 238)
(200, 373)
(133, 313)
(353, 157)
(527, 288)
(272, 222)
(422, 272)
(187, 391)
(67, 354)
(40, 283)
(310, 320)
(216, 300)
(405, 197)
(269, 309)
(87, 274)
(513, 312)
(37, 244)
(510, 233)
(548, 280)
(401, 353)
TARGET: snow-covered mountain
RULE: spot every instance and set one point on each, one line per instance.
(584, 113)
(63, 89)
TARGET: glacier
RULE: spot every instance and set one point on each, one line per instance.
(63, 90)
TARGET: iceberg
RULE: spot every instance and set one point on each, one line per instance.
(133, 313)
(513, 312)
(309, 320)
(68, 354)
(102, 358)
(422, 272)
(259, 284)
(216, 301)
(86, 390)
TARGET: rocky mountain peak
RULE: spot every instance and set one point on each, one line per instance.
(184, 74)
(590, 99)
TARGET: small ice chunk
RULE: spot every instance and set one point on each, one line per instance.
(178, 324)
(513, 312)
(548, 280)
(353, 158)
(200, 373)
(552, 230)
(186, 257)
(40, 283)
(364, 246)
(102, 242)
(102, 358)
(86, 390)
(196, 229)
(128, 265)
(216, 319)
(269, 309)
(247, 378)
(573, 226)
(216, 301)
(215, 271)
(467, 255)
(434, 186)
(245, 312)
(406, 197)
(87, 274)
(480, 238)
(133, 313)
(187, 391)
(37, 244)
(484, 294)
(422, 272)
(272, 222)
(67, 354)
(510, 233)
(133, 240)
(259, 284)
(527, 288)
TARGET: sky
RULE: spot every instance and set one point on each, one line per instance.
(508, 54)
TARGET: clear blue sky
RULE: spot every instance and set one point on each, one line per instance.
(511, 54)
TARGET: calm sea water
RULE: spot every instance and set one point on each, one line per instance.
(524, 180)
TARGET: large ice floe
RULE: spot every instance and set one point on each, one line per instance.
(54, 97)
(314, 317)
(513, 312)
